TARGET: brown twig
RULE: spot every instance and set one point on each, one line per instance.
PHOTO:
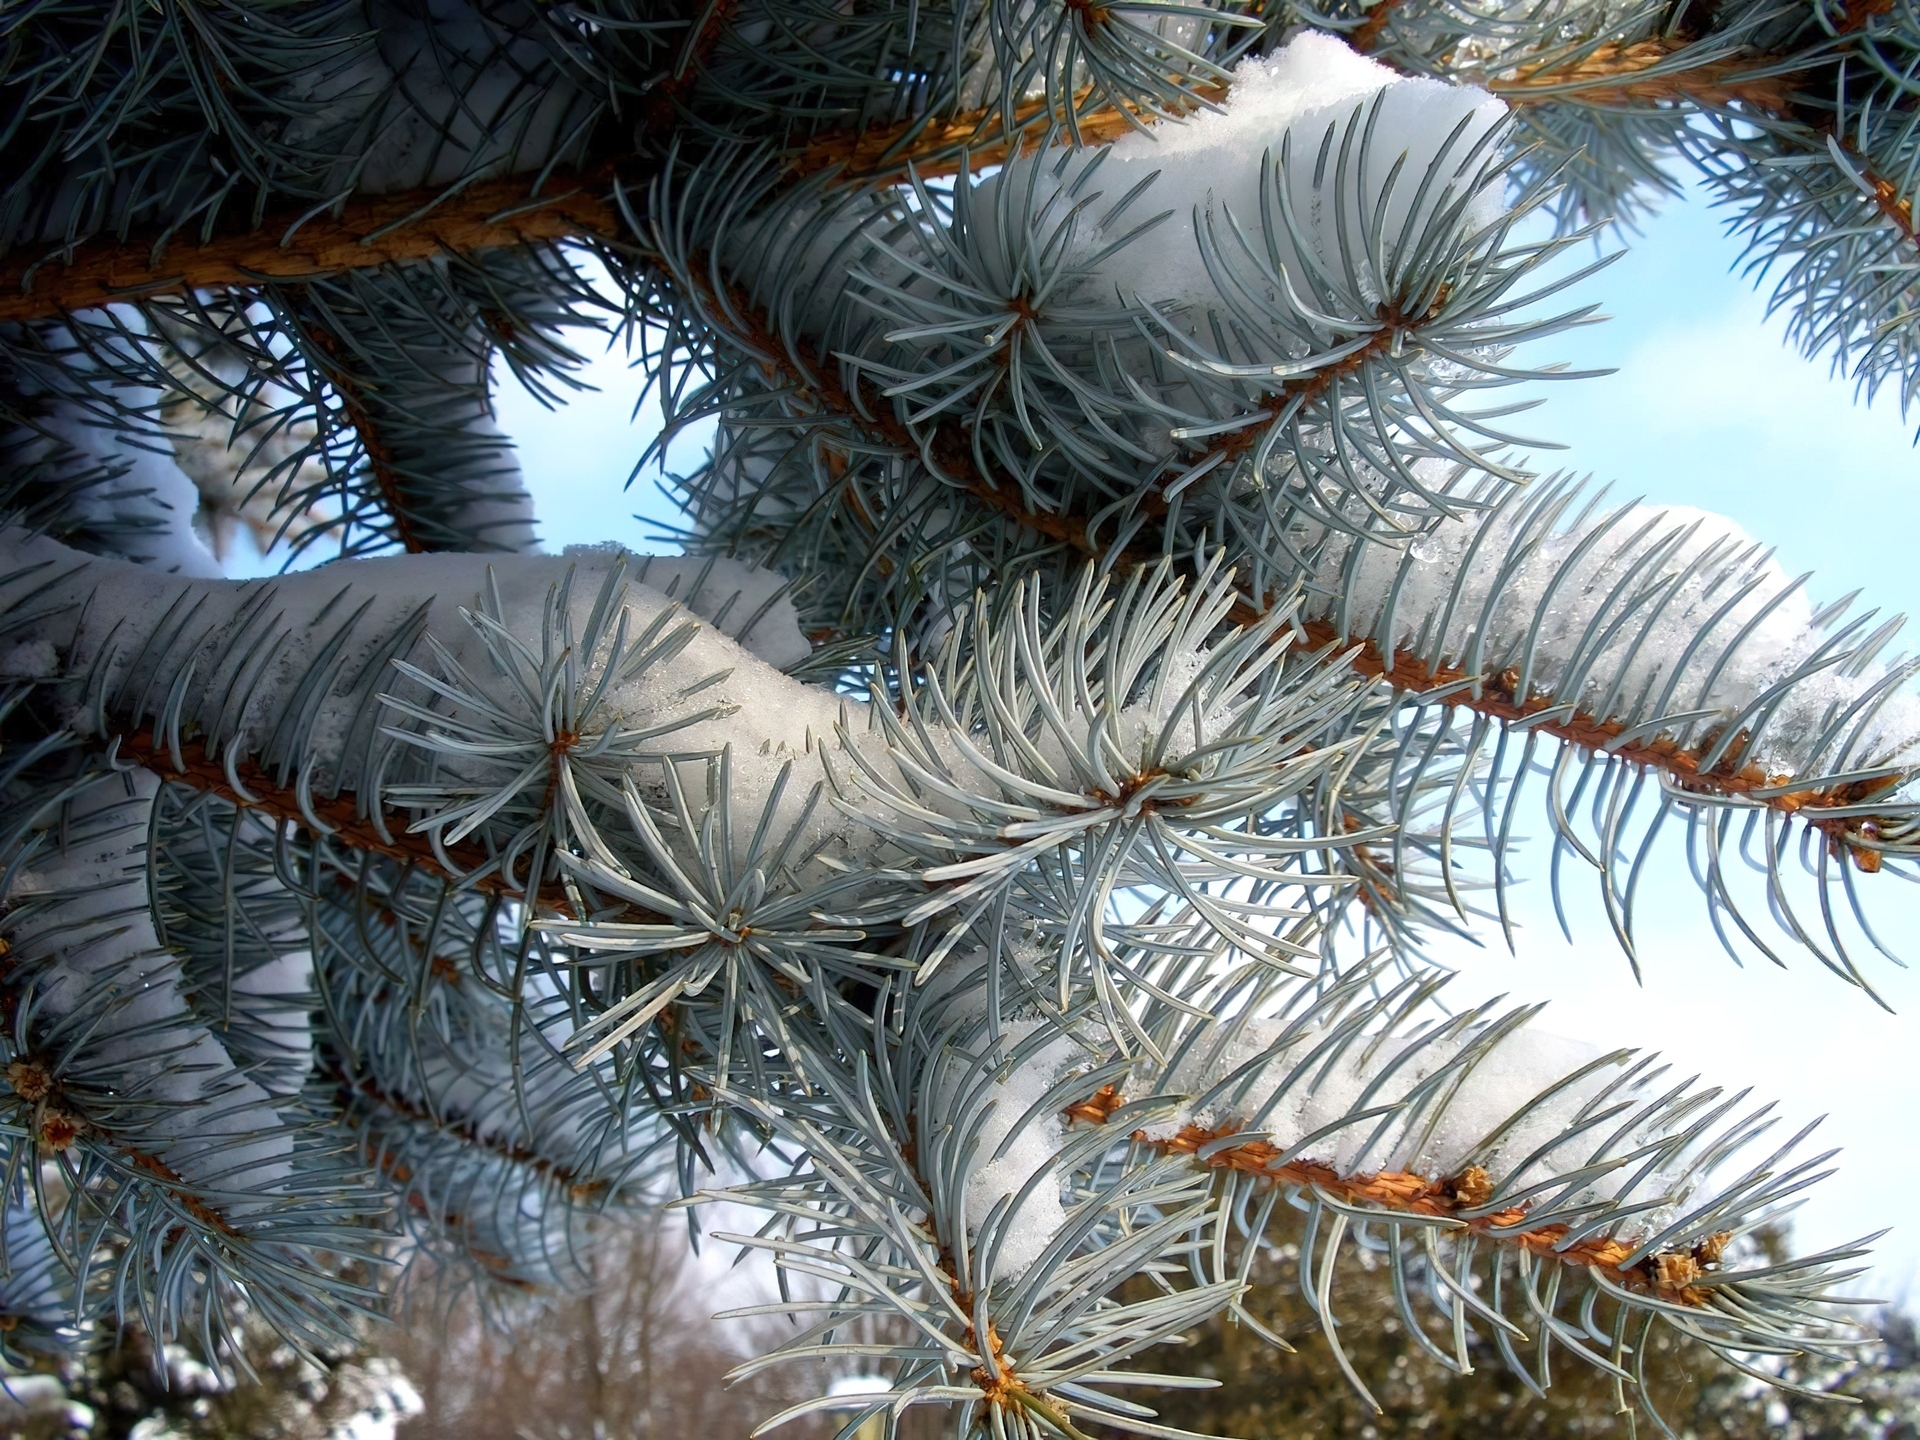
(1894, 209)
(1495, 698)
(1368, 33)
(58, 1126)
(945, 448)
(1620, 74)
(177, 1187)
(663, 101)
(499, 1267)
(353, 405)
(339, 814)
(1678, 1276)
(355, 1093)
(999, 1384)
(933, 148)
(366, 233)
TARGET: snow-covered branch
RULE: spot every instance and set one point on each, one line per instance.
(995, 1165)
(167, 1140)
(1665, 636)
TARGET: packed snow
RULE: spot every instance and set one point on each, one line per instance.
(710, 695)
(149, 487)
(1194, 181)
(1004, 1165)
(1211, 167)
(752, 604)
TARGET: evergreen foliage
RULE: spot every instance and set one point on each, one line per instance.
(1118, 631)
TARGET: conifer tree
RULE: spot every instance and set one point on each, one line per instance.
(1117, 633)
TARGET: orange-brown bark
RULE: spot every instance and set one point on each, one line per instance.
(1674, 1276)
(1618, 75)
(1370, 30)
(1894, 208)
(933, 147)
(1681, 764)
(176, 1186)
(58, 1128)
(338, 813)
(379, 230)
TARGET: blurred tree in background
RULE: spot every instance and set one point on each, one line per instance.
(634, 1354)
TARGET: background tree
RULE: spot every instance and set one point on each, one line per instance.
(633, 1353)
(131, 1390)
(1117, 630)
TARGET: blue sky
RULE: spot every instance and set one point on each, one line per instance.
(1708, 408)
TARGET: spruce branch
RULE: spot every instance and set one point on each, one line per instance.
(1355, 408)
(494, 1147)
(163, 1142)
(380, 457)
(1854, 830)
(1678, 1277)
(1148, 603)
(1656, 72)
(367, 233)
(1411, 673)
(953, 1179)
(281, 785)
(250, 786)
(408, 354)
(808, 381)
(366, 1091)
(1850, 802)
(370, 232)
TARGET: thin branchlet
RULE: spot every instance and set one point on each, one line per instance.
(366, 234)
(1672, 1276)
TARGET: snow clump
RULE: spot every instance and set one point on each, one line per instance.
(1211, 166)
